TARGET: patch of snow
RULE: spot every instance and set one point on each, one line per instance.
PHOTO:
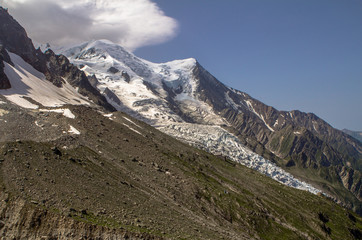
(65, 111)
(276, 123)
(314, 125)
(110, 115)
(231, 102)
(3, 112)
(28, 82)
(73, 130)
(297, 133)
(129, 120)
(2, 102)
(37, 124)
(133, 129)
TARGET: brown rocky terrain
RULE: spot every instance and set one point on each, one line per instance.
(122, 177)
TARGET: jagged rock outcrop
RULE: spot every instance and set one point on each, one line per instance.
(113, 70)
(126, 77)
(112, 96)
(352, 180)
(93, 80)
(13, 37)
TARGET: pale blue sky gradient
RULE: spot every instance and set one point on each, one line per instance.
(290, 54)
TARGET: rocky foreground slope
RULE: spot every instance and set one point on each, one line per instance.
(84, 174)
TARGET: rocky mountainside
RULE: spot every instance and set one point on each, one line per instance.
(168, 95)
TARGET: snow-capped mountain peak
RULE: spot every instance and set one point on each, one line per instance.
(178, 97)
(136, 85)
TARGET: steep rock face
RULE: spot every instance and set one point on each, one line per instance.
(110, 95)
(352, 180)
(14, 38)
(4, 81)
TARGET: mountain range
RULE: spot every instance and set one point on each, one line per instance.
(88, 141)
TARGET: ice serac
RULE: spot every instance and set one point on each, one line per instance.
(56, 69)
(174, 93)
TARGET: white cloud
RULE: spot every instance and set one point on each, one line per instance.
(131, 23)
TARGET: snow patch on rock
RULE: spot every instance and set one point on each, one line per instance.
(251, 108)
(73, 130)
(131, 128)
(129, 120)
(65, 111)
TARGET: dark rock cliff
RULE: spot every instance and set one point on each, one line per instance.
(4, 57)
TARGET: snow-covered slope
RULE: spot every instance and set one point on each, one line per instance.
(166, 96)
(141, 86)
(29, 84)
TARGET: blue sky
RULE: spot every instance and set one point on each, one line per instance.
(290, 54)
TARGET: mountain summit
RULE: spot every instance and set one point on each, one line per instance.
(181, 93)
